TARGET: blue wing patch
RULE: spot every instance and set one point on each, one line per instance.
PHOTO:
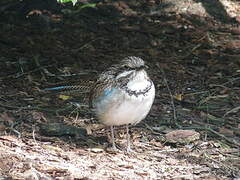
(108, 92)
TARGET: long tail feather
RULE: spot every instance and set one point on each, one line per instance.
(68, 90)
(64, 88)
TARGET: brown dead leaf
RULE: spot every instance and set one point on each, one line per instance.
(236, 31)
(179, 97)
(11, 141)
(225, 131)
(96, 150)
(2, 127)
(39, 117)
(233, 44)
(182, 136)
(6, 118)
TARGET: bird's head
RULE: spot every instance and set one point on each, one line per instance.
(129, 67)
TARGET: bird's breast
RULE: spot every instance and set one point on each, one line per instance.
(119, 106)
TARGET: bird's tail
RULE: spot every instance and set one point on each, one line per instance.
(68, 89)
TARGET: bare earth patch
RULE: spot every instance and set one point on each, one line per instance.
(39, 160)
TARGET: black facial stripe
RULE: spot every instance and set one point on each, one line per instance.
(140, 68)
(127, 68)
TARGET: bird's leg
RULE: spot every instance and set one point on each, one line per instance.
(113, 140)
(128, 140)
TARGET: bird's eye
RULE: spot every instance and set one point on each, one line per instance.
(127, 67)
(143, 67)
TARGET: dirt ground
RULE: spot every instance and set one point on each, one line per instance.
(192, 48)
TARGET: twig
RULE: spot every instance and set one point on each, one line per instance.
(232, 111)
(85, 45)
(209, 129)
(22, 74)
(170, 93)
(224, 137)
(32, 108)
(151, 129)
(219, 162)
(33, 134)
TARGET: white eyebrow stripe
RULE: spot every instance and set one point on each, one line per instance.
(124, 74)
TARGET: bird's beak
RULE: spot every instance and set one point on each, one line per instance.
(142, 68)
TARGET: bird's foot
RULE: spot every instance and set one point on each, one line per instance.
(113, 149)
(129, 150)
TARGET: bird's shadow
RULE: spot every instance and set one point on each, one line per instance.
(216, 9)
(73, 134)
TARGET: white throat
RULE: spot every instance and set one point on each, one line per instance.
(139, 82)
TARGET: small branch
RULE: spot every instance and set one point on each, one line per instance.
(224, 137)
(170, 93)
(232, 111)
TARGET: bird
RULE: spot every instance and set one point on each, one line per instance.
(123, 94)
